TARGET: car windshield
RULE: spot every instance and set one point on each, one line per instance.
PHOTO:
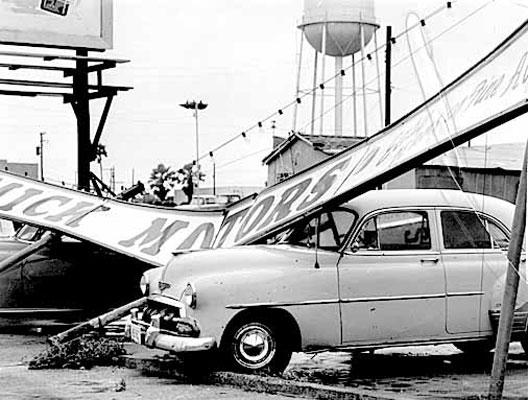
(29, 233)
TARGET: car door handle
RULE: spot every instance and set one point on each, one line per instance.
(433, 260)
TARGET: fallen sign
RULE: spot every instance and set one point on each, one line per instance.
(147, 233)
(489, 94)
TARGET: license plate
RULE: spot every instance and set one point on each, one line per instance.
(135, 334)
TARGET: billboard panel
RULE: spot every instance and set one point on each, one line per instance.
(57, 23)
(492, 92)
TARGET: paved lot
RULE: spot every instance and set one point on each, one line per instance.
(427, 372)
(432, 372)
(17, 382)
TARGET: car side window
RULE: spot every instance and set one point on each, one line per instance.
(464, 230)
(401, 230)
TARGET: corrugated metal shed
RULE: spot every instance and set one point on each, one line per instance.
(507, 156)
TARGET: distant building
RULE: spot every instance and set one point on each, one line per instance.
(494, 170)
(298, 152)
(29, 170)
(242, 191)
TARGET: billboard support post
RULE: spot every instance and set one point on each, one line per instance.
(81, 107)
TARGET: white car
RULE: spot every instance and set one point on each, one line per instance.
(389, 268)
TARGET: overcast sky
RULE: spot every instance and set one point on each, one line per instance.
(239, 56)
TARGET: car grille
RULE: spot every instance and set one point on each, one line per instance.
(520, 319)
(168, 318)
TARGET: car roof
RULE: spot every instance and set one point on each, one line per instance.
(379, 199)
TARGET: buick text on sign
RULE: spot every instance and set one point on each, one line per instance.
(148, 233)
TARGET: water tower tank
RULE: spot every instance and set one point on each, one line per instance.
(343, 19)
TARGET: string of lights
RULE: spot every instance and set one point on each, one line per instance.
(321, 86)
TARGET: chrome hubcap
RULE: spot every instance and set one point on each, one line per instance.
(255, 346)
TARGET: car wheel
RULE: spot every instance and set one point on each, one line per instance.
(257, 347)
(524, 341)
(475, 348)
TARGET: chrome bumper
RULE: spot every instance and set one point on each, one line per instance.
(154, 337)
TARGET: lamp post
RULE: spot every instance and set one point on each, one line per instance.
(40, 152)
(193, 105)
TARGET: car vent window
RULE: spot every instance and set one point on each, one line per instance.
(500, 238)
(464, 230)
(368, 236)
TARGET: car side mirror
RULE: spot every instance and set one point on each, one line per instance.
(355, 247)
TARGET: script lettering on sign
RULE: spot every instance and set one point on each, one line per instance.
(492, 92)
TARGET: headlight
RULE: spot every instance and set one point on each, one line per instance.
(188, 296)
(144, 285)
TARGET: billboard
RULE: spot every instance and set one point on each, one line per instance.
(57, 23)
(147, 233)
(492, 92)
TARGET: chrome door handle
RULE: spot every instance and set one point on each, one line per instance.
(433, 260)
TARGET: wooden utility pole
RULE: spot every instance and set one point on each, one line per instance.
(388, 89)
(510, 290)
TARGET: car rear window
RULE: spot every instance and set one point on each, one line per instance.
(464, 230)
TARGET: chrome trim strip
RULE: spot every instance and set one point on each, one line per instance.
(390, 298)
(355, 300)
(284, 304)
(462, 294)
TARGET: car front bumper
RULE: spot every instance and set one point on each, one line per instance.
(164, 340)
(184, 338)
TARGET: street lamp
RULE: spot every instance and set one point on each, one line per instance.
(193, 105)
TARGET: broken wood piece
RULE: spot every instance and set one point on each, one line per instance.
(96, 323)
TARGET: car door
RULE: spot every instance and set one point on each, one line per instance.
(391, 282)
(467, 251)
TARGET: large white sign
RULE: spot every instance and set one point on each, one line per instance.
(489, 94)
(58, 23)
(151, 234)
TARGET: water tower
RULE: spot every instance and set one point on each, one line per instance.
(337, 28)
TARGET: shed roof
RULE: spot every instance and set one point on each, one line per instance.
(329, 145)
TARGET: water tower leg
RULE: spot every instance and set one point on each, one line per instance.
(296, 105)
(322, 79)
(380, 99)
(354, 94)
(338, 97)
(314, 94)
(364, 88)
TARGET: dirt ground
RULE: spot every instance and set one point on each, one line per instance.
(17, 382)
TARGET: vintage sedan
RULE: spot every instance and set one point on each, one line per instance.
(65, 282)
(389, 268)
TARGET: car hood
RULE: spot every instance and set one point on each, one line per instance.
(253, 258)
